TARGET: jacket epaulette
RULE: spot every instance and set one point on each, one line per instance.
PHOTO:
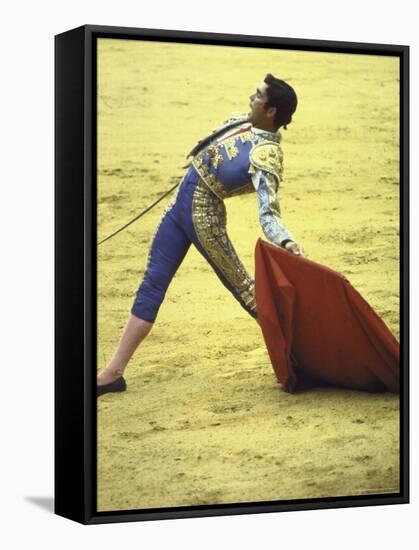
(268, 156)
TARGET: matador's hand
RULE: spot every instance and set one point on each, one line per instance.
(295, 248)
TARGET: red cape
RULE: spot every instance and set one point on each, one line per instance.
(318, 328)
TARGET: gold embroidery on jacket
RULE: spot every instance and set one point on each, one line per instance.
(268, 156)
(265, 155)
(230, 147)
(215, 155)
(214, 184)
(247, 136)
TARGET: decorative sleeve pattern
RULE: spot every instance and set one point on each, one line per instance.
(266, 186)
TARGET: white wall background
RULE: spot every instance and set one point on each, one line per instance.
(26, 300)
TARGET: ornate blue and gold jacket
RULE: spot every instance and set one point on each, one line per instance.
(241, 160)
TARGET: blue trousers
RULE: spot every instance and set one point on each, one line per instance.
(195, 216)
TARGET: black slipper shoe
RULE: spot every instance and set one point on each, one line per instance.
(117, 385)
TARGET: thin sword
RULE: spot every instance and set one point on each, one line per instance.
(138, 215)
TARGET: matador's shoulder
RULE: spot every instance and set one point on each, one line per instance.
(236, 117)
(268, 156)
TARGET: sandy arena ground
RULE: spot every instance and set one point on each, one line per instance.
(204, 420)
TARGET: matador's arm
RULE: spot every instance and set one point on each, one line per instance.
(266, 186)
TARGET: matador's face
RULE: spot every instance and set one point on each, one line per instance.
(259, 115)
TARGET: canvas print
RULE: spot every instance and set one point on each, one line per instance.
(248, 319)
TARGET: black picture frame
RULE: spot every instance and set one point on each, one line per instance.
(75, 275)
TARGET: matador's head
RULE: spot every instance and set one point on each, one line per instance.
(272, 104)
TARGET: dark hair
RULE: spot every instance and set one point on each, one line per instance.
(282, 96)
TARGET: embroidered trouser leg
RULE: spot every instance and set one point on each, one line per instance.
(197, 217)
(209, 220)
